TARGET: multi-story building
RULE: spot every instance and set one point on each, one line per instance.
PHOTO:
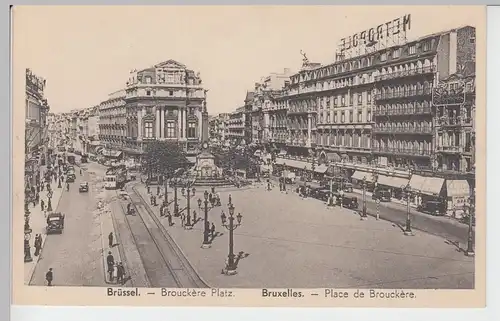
(266, 93)
(36, 127)
(164, 102)
(217, 131)
(112, 124)
(248, 110)
(236, 126)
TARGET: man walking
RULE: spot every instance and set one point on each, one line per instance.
(49, 276)
(212, 230)
(42, 205)
(38, 244)
(110, 239)
(110, 260)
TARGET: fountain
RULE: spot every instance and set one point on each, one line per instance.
(206, 172)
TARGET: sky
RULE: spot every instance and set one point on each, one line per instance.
(85, 53)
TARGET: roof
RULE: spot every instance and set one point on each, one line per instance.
(250, 95)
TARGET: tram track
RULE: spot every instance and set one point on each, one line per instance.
(164, 263)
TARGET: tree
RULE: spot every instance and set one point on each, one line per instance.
(163, 159)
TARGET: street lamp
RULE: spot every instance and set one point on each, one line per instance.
(470, 237)
(206, 232)
(175, 184)
(330, 199)
(188, 193)
(49, 201)
(364, 216)
(230, 268)
(407, 190)
(27, 237)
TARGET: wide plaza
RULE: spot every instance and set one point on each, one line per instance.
(287, 241)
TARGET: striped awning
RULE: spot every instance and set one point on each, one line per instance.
(392, 181)
(457, 188)
(359, 175)
(427, 185)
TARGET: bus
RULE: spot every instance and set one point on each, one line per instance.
(116, 177)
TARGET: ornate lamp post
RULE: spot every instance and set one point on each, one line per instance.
(175, 184)
(330, 198)
(188, 193)
(49, 201)
(230, 268)
(364, 216)
(206, 231)
(407, 190)
(27, 237)
(470, 237)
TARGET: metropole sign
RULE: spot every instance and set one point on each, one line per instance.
(389, 30)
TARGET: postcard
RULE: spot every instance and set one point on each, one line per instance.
(280, 156)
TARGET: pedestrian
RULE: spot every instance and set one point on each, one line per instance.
(157, 190)
(80, 171)
(194, 216)
(148, 188)
(62, 178)
(111, 262)
(212, 230)
(120, 273)
(183, 217)
(38, 244)
(128, 208)
(110, 239)
(67, 187)
(151, 199)
(49, 276)
(42, 205)
(48, 186)
(169, 216)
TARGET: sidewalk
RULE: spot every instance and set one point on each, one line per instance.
(107, 227)
(38, 224)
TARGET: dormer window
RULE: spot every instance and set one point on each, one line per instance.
(148, 79)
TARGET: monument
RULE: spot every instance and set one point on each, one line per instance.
(205, 170)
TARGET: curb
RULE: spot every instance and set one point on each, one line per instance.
(32, 272)
(170, 238)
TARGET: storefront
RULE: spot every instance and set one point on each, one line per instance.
(426, 188)
(358, 177)
(393, 184)
(457, 194)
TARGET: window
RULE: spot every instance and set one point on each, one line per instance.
(426, 46)
(383, 56)
(342, 119)
(369, 98)
(472, 40)
(351, 117)
(170, 78)
(360, 116)
(360, 99)
(335, 101)
(369, 116)
(170, 129)
(148, 79)
(170, 93)
(396, 53)
(191, 130)
(343, 100)
(148, 129)
(335, 118)
(328, 118)
(412, 50)
(148, 92)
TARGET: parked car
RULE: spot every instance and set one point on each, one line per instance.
(70, 178)
(55, 223)
(350, 202)
(84, 187)
(432, 207)
(382, 195)
(320, 193)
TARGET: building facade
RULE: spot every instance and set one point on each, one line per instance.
(236, 129)
(218, 128)
(165, 102)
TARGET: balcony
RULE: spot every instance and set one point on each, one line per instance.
(402, 130)
(402, 111)
(402, 151)
(407, 73)
(406, 94)
(454, 121)
(450, 149)
(298, 111)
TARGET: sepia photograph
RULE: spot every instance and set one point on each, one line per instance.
(300, 152)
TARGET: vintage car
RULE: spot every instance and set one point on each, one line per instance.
(55, 223)
(382, 195)
(70, 177)
(84, 187)
(350, 202)
(320, 193)
(432, 207)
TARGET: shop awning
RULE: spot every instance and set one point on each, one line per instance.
(359, 175)
(391, 181)
(457, 188)
(298, 164)
(427, 185)
(321, 168)
(112, 153)
(333, 157)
